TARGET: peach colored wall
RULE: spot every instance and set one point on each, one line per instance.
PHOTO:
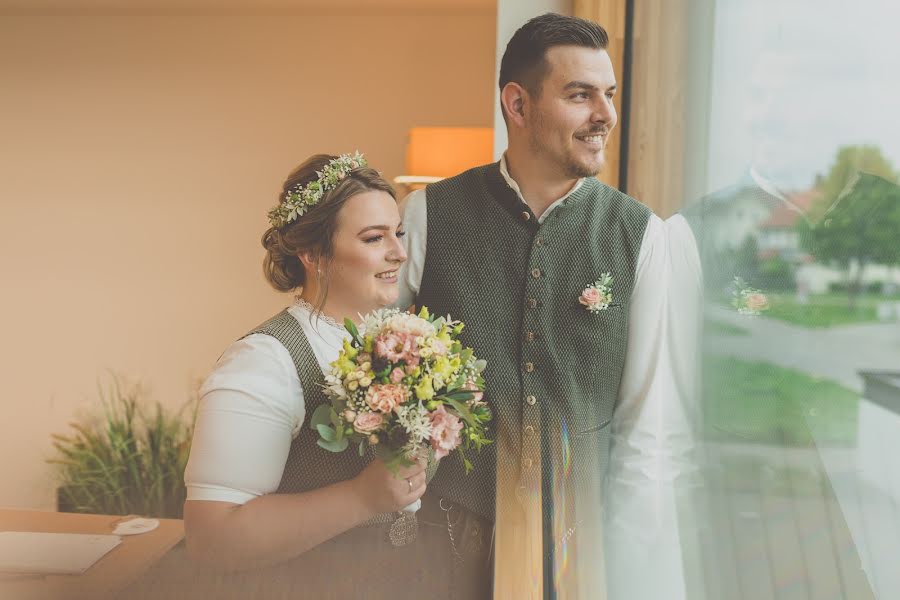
(138, 158)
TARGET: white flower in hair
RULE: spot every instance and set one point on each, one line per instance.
(299, 200)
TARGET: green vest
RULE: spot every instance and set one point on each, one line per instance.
(553, 367)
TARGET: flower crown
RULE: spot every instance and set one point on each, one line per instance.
(302, 197)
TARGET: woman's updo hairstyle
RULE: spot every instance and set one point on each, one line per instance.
(314, 230)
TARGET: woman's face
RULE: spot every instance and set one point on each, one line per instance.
(367, 253)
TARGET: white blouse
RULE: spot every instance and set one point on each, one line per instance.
(251, 408)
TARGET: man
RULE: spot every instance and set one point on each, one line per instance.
(514, 249)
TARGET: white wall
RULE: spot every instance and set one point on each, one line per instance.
(512, 14)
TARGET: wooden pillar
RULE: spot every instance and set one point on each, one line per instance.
(610, 14)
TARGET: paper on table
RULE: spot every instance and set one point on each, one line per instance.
(52, 553)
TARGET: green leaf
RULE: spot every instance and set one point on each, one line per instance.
(321, 416)
(335, 446)
(463, 411)
(457, 383)
(326, 432)
(351, 327)
(459, 395)
(362, 447)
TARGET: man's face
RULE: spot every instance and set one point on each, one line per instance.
(568, 124)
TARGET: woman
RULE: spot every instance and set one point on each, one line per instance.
(260, 491)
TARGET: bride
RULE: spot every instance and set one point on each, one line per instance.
(260, 491)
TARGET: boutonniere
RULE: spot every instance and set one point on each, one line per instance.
(746, 300)
(598, 295)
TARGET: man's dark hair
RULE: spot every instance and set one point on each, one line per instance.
(524, 60)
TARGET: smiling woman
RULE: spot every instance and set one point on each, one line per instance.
(263, 498)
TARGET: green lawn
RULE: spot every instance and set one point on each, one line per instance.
(764, 403)
(824, 310)
(721, 328)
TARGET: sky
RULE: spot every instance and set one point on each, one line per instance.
(792, 80)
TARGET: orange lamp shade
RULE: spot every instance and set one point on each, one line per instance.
(447, 151)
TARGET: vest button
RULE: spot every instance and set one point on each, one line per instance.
(529, 367)
(527, 463)
(529, 431)
(532, 303)
(539, 241)
(529, 336)
(525, 216)
(535, 273)
(530, 399)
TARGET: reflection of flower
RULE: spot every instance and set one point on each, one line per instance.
(597, 296)
(746, 300)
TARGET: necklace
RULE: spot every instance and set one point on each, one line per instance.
(320, 316)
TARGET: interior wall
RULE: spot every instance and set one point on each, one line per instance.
(139, 158)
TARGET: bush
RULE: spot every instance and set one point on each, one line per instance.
(131, 462)
(776, 274)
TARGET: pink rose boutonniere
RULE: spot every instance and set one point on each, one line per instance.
(597, 296)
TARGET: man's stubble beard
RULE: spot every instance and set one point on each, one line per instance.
(570, 166)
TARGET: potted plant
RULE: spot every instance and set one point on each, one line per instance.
(130, 461)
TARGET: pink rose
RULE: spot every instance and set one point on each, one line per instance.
(386, 397)
(397, 375)
(368, 422)
(590, 297)
(445, 431)
(756, 302)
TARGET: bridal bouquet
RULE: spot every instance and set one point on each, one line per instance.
(407, 387)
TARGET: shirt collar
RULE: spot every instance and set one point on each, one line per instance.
(515, 187)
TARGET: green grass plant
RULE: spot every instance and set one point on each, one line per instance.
(131, 462)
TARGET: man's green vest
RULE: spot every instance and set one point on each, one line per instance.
(553, 367)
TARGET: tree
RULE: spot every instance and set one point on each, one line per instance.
(856, 221)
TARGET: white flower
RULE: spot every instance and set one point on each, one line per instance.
(334, 387)
(416, 421)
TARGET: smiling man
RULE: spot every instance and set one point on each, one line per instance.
(560, 281)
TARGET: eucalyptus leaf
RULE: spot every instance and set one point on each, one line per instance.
(321, 416)
(335, 446)
(326, 432)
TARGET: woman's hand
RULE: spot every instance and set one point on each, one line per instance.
(383, 491)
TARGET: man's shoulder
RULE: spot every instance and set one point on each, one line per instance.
(465, 179)
(618, 201)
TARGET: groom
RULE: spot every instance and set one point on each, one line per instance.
(519, 251)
